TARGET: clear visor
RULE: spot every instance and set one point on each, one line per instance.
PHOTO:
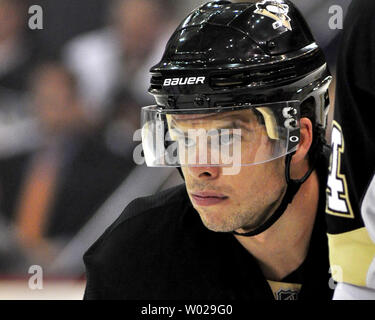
(234, 136)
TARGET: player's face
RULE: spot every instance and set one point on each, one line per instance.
(227, 202)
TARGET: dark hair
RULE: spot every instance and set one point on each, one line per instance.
(307, 110)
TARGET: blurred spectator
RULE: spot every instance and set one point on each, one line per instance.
(122, 120)
(17, 56)
(17, 52)
(12, 259)
(51, 193)
(119, 56)
(63, 20)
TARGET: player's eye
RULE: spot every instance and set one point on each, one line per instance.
(229, 139)
(187, 142)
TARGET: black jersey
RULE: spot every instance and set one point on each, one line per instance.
(351, 184)
(159, 249)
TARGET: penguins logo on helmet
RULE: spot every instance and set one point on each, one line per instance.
(276, 11)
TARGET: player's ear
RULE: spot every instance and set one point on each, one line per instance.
(306, 137)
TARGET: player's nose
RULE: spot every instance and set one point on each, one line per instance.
(206, 173)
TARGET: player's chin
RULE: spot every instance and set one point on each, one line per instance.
(218, 223)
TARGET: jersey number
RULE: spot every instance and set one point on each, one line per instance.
(338, 203)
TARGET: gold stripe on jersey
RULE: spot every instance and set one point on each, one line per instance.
(351, 254)
(284, 290)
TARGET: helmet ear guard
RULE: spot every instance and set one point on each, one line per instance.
(322, 101)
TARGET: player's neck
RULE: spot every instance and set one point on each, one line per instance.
(283, 247)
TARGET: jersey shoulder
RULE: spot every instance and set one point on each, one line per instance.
(156, 210)
(153, 239)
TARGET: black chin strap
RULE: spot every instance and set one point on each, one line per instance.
(292, 189)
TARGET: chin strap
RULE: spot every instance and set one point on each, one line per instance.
(292, 189)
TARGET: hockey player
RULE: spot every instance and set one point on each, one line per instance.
(351, 183)
(241, 107)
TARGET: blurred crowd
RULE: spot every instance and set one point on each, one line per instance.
(68, 110)
(70, 99)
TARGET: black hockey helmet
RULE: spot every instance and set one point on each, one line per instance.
(226, 54)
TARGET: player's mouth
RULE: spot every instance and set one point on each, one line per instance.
(208, 198)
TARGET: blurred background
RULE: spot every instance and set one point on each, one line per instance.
(70, 99)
